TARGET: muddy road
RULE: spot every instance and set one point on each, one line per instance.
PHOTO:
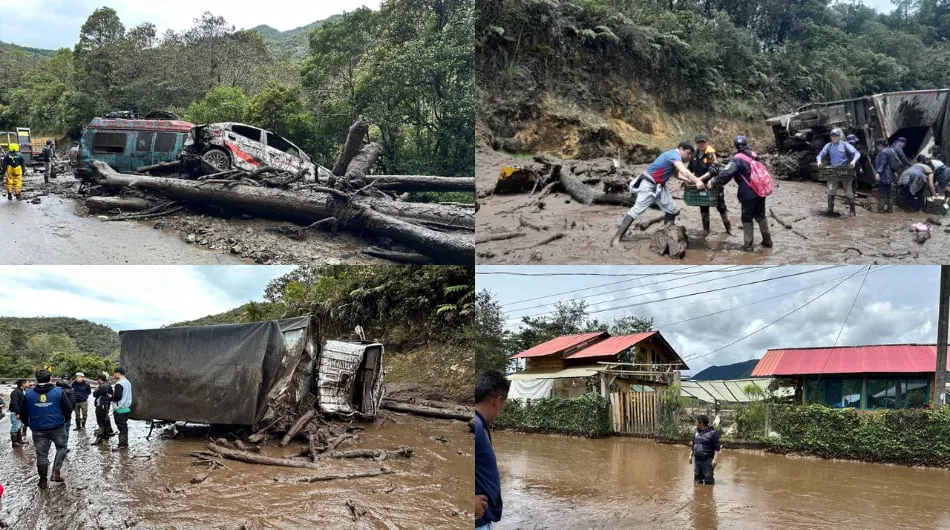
(148, 486)
(868, 238)
(59, 230)
(628, 482)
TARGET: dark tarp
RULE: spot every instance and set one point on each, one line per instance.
(223, 374)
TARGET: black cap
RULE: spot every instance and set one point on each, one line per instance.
(100, 377)
(43, 376)
(701, 138)
(120, 370)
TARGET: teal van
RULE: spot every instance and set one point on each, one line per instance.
(127, 145)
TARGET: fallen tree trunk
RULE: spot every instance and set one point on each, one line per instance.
(117, 203)
(174, 164)
(455, 217)
(499, 237)
(576, 189)
(354, 141)
(344, 476)
(295, 428)
(252, 458)
(411, 258)
(309, 206)
(402, 183)
(429, 412)
(363, 161)
(403, 451)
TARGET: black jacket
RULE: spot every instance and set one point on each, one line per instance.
(16, 398)
(101, 395)
(741, 171)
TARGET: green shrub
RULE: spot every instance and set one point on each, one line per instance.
(585, 416)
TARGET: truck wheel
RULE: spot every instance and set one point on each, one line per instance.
(216, 160)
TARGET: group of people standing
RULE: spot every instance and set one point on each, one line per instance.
(48, 409)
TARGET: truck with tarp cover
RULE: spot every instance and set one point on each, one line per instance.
(249, 374)
(920, 116)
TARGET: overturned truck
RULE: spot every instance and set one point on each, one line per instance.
(261, 374)
(920, 116)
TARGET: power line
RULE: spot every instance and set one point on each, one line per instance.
(688, 295)
(783, 317)
(853, 300)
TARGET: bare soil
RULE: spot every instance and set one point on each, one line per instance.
(868, 238)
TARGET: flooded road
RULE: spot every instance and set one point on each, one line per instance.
(148, 486)
(865, 239)
(562, 482)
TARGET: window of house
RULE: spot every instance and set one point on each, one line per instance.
(898, 393)
(251, 133)
(835, 392)
(851, 393)
(108, 142)
(165, 142)
(143, 142)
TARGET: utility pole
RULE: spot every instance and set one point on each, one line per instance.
(940, 379)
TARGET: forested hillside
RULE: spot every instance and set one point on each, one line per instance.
(68, 344)
(408, 68)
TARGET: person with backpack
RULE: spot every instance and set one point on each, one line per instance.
(48, 156)
(840, 153)
(885, 175)
(651, 187)
(755, 184)
(12, 166)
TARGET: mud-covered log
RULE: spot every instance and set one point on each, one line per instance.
(309, 206)
(344, 476)
(412, 258)
(251, 458)
(363, 161)
(429, 412)
(403, 451)
(354, 141)
(403, 183)
(295, 428)
(161, 166)
(618, 199)
(132, 204)
(455, 217)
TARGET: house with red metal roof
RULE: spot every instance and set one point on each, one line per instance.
(886, 376)
(564, 366)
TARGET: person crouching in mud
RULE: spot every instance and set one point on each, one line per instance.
(704, 454)
(753, 206)
(651, 187)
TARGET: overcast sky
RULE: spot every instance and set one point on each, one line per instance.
(132, 297)
(52, 24)
(896, 304)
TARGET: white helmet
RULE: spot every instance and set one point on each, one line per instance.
(836, 132)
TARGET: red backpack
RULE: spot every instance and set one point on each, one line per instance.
(761, 183)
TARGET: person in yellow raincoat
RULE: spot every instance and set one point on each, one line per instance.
(12, 167)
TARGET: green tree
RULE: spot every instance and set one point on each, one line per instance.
(490, 333)
(220, 104)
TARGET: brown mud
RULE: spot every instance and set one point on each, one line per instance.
(868, 238)
(60, 230)
(563, 482)
(149, 484)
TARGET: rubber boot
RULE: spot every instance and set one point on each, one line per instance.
(56, 476)
(748, 232)
(725, 222)
(705, 214)
(851, 211)
(881, 200)
(624, 226)
(766, 235)
(43, 471)
(831, 205)
(890, 202)
(14, 442)
(9, 196)
(123, 440)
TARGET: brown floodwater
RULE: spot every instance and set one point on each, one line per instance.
(563, 482)
(148, 485)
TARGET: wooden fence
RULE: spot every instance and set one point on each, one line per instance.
(634, 412)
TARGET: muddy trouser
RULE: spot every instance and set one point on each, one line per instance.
(720, 201)
(42, 441)
(47, 170)
(81, 413)
(703, 470)
(885, 196)
(648, 194)
(753, 210)
(102, 419)
(122, 424)
(848, 186)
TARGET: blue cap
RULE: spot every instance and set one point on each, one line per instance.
(902, 139)
(851, 139)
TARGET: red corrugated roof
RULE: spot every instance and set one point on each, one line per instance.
(886, 358)
(611, 346)
(558, 345)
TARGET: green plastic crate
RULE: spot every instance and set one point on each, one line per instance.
(836, 173)
(935, 206)
(695, 197)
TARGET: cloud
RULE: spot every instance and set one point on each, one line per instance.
(895, 305)
(132, 297)
(56, 23)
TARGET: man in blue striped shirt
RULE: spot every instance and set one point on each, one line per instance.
(839, 153)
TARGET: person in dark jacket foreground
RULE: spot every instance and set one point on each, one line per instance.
(16, 425)
(81, 389)
(753, 206)
(102, 402)
(491, 391)
(704, 454)
(47, 409)
(64, 384)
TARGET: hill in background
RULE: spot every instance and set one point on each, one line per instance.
(88, 336)
(291, 44)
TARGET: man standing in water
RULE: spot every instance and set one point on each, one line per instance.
(704, 454)
(651, 187)
(491, 391)
(122, 398)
